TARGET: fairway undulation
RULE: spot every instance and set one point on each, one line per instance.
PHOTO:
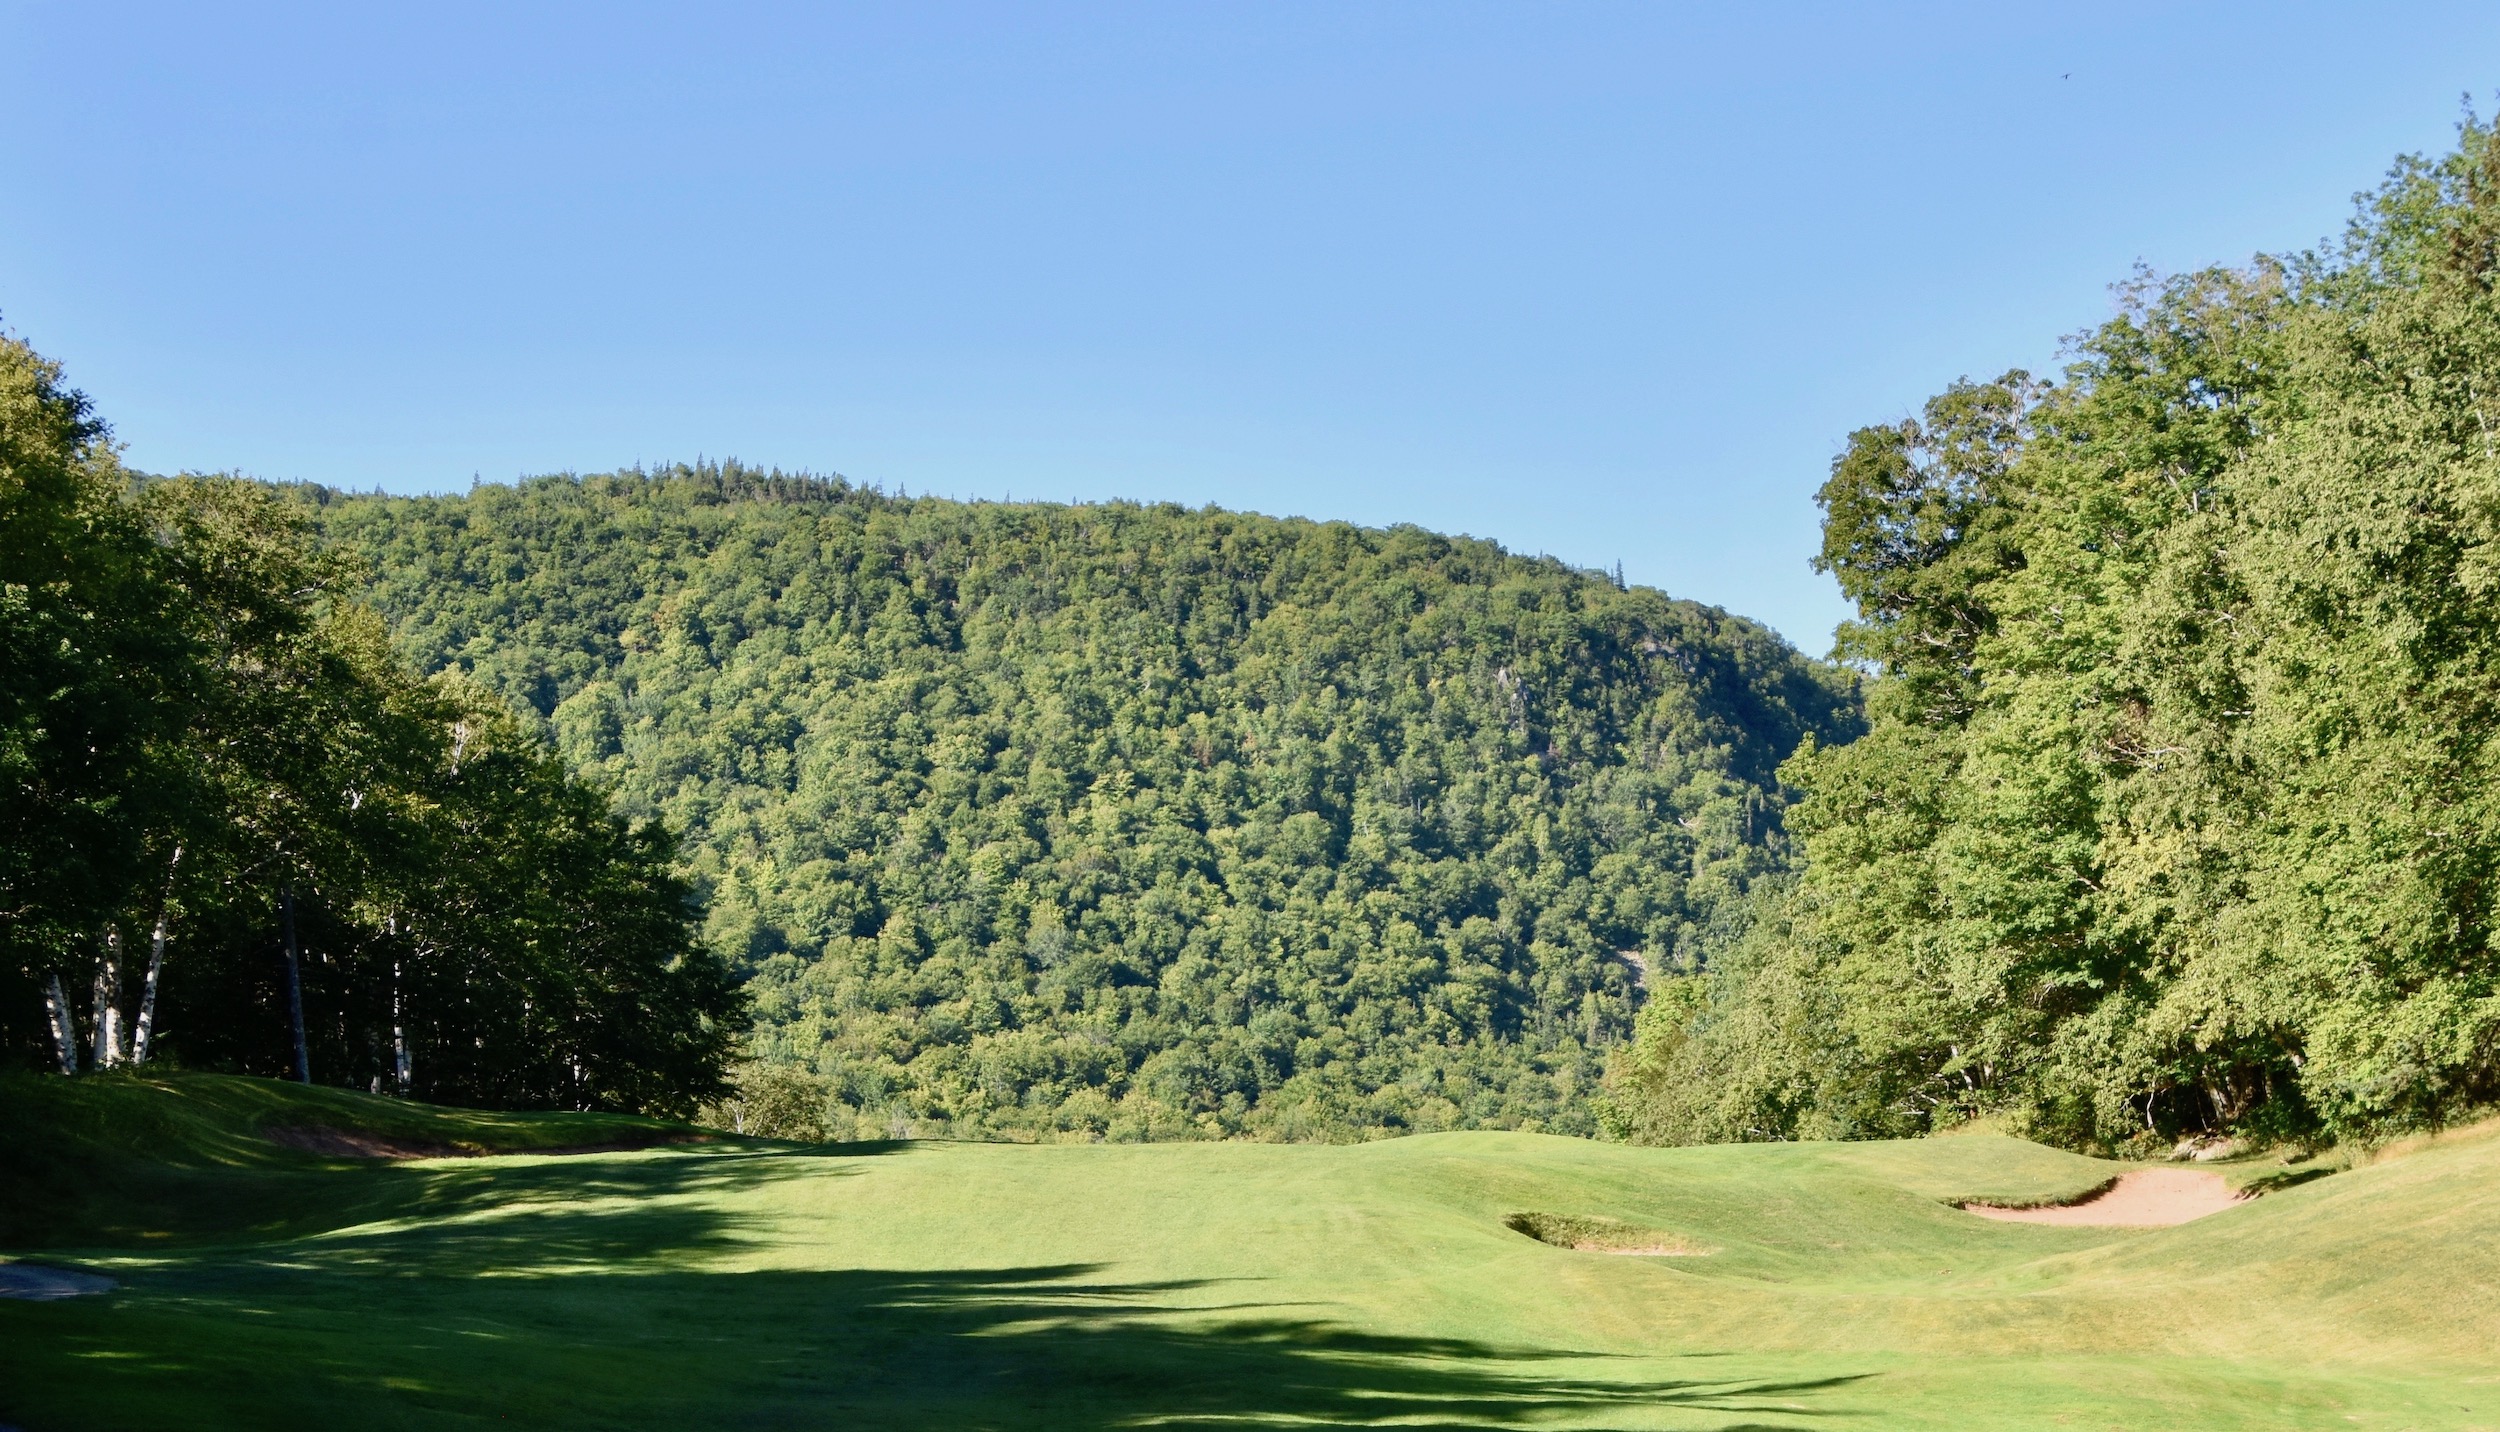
(940, 1285)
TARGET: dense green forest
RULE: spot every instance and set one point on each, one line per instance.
(2180, 808)
(1128, 821)
(2172, 808)
(236, 831)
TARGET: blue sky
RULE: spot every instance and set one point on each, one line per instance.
(1606, 281)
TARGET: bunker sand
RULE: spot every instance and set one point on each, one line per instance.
(2145, 1198)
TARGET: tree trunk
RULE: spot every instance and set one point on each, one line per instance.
(295, 987)
(399, 1036)
(146, 1029)
(108, 1002)
(64, 1033)
(146, 1032)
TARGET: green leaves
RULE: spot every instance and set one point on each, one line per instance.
(195, 715)
(1130, 821)
(2177, 812)
(1908, 519)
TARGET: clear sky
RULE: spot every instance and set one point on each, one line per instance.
(1606, 281)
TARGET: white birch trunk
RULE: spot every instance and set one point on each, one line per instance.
(146, 1032)
(146, 1029)
(64, 1034)
(108, 1000)
(400, 1065)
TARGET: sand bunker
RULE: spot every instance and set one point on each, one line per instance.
(2146, 1198)
(1583, 1234)
(36, 1283)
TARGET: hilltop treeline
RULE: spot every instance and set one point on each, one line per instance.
(212, 769)
(1128, 821)
(2180, 811)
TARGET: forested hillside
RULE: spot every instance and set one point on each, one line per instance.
(1126, 820)
(2180, 811)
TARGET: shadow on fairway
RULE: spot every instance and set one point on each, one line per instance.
(162, 1205)
(991, 1348)
(540, 1305)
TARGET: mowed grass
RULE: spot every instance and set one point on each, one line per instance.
(934, 1285)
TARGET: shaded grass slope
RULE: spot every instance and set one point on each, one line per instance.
(122, 1158)
(739, 1284)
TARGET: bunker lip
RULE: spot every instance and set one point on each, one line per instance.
(334, 1143)
(2142, 1198)
(1583, 1234)
(42, 1283)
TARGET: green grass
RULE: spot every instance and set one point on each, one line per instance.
(1201, 1285)
(117, 1159)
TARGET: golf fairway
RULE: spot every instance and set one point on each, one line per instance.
(935, 1285)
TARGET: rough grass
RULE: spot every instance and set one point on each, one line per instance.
(968, 1286)
(119, 1158)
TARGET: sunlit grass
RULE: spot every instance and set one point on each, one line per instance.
(964, 1285)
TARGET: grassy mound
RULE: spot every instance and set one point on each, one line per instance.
(126, 1157)
(973, 1285)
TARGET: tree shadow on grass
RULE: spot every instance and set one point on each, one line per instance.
(518, 1215)
(608, 1295)
(382, 1345)
(1050, 1347)
(161, 1206)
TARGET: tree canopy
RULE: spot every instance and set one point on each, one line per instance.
(1128, 821)
(209, 752)
(2177, 814)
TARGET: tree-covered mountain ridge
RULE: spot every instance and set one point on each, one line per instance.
(1127, 820)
